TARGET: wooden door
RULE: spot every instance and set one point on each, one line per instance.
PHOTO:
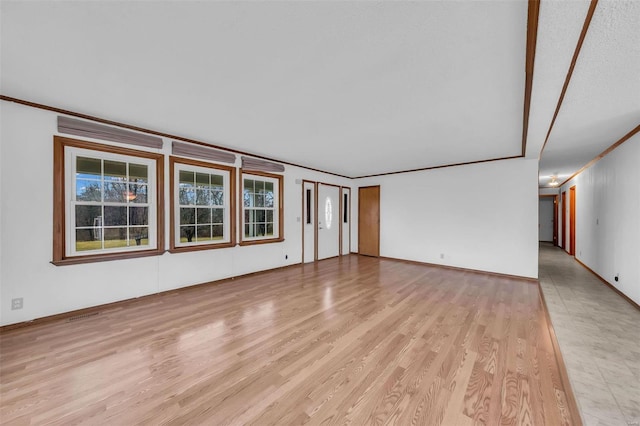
(563, 235)
(572, 221)
(555, 220)
(369, 221)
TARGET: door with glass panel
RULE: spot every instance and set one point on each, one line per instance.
(328, 214)
(345, 219)
(309, 221)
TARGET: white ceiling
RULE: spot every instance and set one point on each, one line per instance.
(354, 88)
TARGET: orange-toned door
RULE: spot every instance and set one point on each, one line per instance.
(572, 221)
(369, 221)
(563, 235)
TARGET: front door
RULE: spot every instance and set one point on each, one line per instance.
(328, 215)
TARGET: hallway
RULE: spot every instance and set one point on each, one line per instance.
(598, 333)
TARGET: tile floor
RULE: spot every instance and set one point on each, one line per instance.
(599, 336)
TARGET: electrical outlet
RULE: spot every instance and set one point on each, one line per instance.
(16, 303)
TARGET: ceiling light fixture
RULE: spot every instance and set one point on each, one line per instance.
(554, 181)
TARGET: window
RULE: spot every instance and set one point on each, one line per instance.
(261, 208)
(202, 205)
(106, 202)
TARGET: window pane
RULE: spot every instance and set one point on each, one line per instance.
(259, 185)
(268, 199)
(138, 236)
(115, 192)
(248, 185)
(204, 215)
(187, 233)
(88, 167)
(217, 216)
(217, 232)
(187, 177)
(270, 229)
(202, 197)
(247, 214)
(187, 196)
(260, 215)
(202, 180)
(187, 216)
(259, 229)
(268, 187)
(115, 237)
(217, 198)
(115, 170)
(138, 215)
(217, 181)
(87, 239)
(137, 193)
(88, 190)
(138, 173)
(259, 201)
(269, 215)
(248, 198)
(203, 232)
(115, 216)
(247, 231)
(89, 216)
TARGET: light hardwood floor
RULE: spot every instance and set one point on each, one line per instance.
(354, 341)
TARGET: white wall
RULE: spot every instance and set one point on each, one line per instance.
(608, 217)
(26, 229)
(545, 219)
(480, 216)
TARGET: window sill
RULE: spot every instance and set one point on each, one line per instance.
(187, 249)
(265, 241)
(76, 260)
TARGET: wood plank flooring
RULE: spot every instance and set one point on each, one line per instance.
(354, 341)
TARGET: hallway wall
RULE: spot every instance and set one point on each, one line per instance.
(608, 217)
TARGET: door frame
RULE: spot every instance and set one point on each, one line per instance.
(572, 220)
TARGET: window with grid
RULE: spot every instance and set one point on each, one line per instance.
(202, 203)
(105, 201)
(261, 207)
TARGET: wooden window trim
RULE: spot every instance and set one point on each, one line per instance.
(280, 179)
(59, 207)
(232, 205)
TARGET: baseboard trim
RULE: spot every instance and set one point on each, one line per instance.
(572, 404)
(457, 268)
(122, 303)
(621, 294)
